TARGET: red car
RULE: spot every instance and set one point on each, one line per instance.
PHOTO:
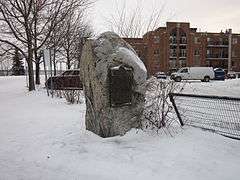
(69, 79)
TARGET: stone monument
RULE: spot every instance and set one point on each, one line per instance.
(113, 80)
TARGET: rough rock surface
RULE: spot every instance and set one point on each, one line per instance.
(99, 55)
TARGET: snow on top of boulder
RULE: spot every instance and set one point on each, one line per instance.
(128, 57)
(108, 34)
(107, 43)
(111, 50)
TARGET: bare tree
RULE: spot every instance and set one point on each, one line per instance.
(5, 59)
(86, 32)
(16, 20)
(133, 21)
(54, 43)
(27, 24)
(49, 22)
(75, 29)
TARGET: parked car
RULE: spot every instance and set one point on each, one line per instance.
(238, 74)
(204, 74)
(219, 74)
(160, 75)
(231, 75)
(69, 79)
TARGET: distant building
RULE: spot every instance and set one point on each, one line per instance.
(177, 45)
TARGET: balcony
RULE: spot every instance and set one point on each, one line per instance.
(217, 56)
(173, 55)
(182, 55)
(218, 44)
(183, 41)
(173, 42)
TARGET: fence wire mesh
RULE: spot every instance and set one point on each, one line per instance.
(219, 114)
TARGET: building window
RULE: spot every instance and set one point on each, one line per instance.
(196, 52)
(234, 40)
(156, 60)
(182, 63)
(183, 53)
(173, 52)
(234, 53)
(156, 52)
(225, 41)
(196, 40)
(173, 63)
(156, 57)
(208, 52)
(196, 61)
(173, 40)
(156, 39)
(183, 40)
(208, 39)
(208, 63)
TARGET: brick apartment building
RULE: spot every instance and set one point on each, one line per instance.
(177, 45)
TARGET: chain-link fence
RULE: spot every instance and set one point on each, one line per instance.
(216, 113)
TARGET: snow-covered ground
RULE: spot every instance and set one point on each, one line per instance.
(219, 88)
(45, 138)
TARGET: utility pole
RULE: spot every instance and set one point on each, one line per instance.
(229, 50)
(51, 73)
(45, 69)
(26, 72)
(178, 46)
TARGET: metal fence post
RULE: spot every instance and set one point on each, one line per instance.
(175, 108)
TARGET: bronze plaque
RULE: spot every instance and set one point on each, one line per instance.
(120, 88)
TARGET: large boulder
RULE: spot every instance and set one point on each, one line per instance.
(114, 85)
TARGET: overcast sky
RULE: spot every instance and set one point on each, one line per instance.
(206, 15)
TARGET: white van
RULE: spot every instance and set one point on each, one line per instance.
(194, 73)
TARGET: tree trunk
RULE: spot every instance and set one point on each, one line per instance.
(31, 75)
(30, 68)
(37, 65)
(37, 78)
(54, 62)
(37, 58)
(68, 61)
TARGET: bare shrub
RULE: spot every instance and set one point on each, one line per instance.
(59, 93)
(73, 96)
(158, 113)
